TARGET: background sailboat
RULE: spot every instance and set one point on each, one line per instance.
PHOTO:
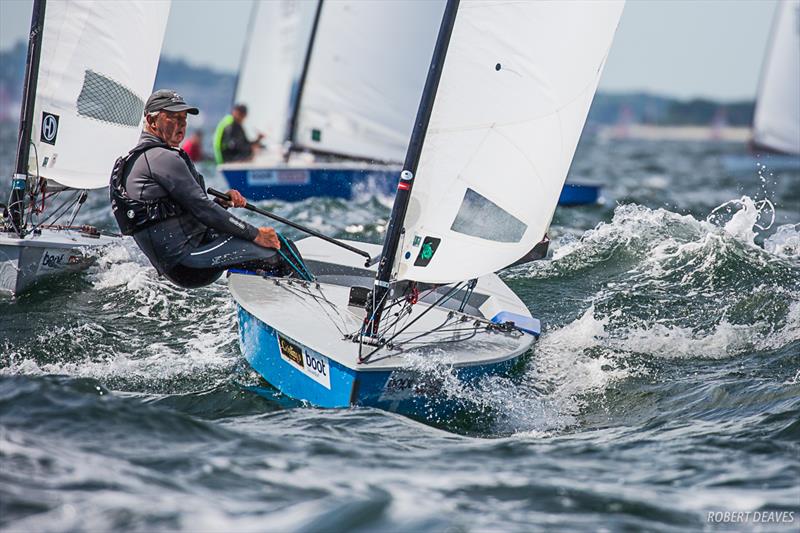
(776, 122)
(502, 110)
(344, 109)
(90, 66)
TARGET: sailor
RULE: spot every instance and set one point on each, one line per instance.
(230, 141)
(159, 197)
(193, 146)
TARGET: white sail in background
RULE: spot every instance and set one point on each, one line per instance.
(273, 58)
(97, 68)
(776, 124)
(516, 86)
(365, 77)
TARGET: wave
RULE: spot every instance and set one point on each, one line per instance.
(645, 291)
(649, 287)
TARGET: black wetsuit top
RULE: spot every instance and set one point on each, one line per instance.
(195, 247)
(235, 145)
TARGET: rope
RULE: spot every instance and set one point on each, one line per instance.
(300, 266)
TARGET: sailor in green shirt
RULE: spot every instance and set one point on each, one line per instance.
(230, 141)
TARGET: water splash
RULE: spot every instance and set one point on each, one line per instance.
(661, 287)
(785, 242)
(744, 216)
(134, 331)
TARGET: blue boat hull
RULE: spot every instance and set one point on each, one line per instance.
(579, 194)
(295, 184)
(292, 185)
(323, 382)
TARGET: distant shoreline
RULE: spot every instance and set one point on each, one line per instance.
(645, 115)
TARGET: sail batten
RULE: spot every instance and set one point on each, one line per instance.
(97, 67)
(515, 90)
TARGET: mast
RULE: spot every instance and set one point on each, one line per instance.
(403, 195)
(291, 129)
(19, 181)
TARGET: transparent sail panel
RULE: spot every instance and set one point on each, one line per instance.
(97, 68)
(104, 99)
(480, 217)
(516, 86)
(777, 116)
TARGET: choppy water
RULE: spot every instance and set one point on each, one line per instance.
(665, 387)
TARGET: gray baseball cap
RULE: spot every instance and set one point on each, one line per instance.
(168, 100)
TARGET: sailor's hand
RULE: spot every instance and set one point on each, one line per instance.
(237, 200)
(267, 238)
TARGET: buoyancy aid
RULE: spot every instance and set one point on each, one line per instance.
(135, 215)
(226, 121)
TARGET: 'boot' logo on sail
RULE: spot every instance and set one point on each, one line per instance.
(49, 128)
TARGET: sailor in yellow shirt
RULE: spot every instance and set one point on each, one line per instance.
(230, 141)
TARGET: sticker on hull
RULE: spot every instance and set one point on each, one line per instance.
(404, 384)
(267, 177)
(313, 365)
(53, 260)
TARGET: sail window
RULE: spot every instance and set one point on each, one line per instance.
(480, 217)
(104, 99)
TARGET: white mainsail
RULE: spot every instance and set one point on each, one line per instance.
(515, 89)
(273, 58)
(776, 124)
(365, 77)
(97, 68)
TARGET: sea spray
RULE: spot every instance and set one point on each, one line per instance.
(668, 287)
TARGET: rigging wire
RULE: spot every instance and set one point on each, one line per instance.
(319, 299)
(60, 210)
(385, 342)
(81, 200)
(468, 294)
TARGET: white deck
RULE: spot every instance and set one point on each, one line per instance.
(318, 316)
(54, 239)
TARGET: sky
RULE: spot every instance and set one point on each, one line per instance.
(681, 48)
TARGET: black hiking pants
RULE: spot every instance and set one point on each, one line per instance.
(206, 263)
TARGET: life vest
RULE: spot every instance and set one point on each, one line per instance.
(226, 121)
(135, 215)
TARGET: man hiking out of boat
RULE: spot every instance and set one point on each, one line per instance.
(159, 197)
(230, 140)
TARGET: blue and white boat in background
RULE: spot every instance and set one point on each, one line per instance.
(506, 98)
(335, 86)
(336, 94)
(296, 181)
(348, 180)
